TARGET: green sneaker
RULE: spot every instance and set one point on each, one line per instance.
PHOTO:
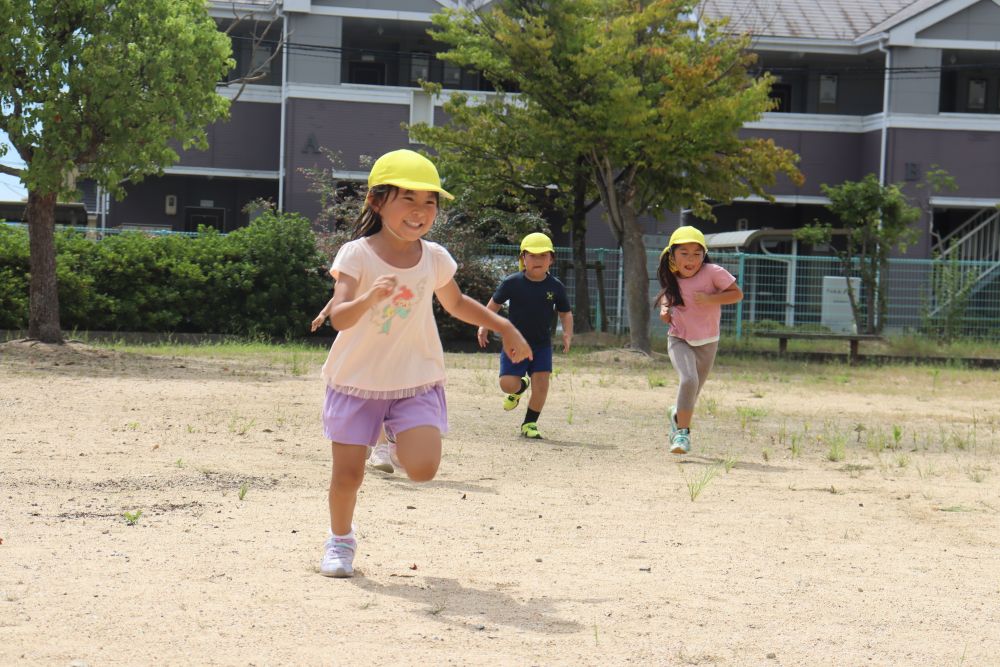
(510, 401)
(530, 430)
(680, 442)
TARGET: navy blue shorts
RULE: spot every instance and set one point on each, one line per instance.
(542, 362)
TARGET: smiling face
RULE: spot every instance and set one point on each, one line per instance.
(408, 214)
(536, 266)
(688, 258)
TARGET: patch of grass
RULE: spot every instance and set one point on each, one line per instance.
(838, 448)
(696, 483)
(655, 380)
(795, 446)
(711, 406)
(132, 518)
(748, 415)
(240, 425)
(244, 487)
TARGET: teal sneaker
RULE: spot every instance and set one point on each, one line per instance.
(530, 430)
(510, 401)
(680, 442)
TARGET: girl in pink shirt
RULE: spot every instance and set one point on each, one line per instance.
(693, 291)
(385, 369)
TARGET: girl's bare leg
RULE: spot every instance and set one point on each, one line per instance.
(345, 480)
(419, 451)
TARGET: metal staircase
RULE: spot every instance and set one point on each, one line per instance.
(974, 249)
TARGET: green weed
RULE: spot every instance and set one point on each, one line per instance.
(837, 450)
(697, 482)
(132, 518)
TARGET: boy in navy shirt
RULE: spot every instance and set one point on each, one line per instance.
(533, 295)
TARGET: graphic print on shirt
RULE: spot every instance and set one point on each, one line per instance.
(400, 305)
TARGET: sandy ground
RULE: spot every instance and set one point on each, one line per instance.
(825, 537)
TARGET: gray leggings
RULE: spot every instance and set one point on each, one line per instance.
(693, 362)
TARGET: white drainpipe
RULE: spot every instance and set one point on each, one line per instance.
(885, 110)
(284, 98)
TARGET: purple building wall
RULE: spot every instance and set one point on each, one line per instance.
(351, 128)
(249, 140)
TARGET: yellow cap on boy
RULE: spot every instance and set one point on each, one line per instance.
(535, 243)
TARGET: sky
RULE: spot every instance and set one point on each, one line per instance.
(10, 188)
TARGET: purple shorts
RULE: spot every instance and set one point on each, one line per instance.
(350, 420)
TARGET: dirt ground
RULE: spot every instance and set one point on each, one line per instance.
(827, 515)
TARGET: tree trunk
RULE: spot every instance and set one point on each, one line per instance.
(43, 308)
(636, 282)
(581, 309)
(578, 237)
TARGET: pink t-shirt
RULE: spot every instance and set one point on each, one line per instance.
(394, 350)
(698, 324)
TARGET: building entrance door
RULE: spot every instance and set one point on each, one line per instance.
(210, 217)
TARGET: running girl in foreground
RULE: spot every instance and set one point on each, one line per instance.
(386, 366)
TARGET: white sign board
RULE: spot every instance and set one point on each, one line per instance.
(835, 310)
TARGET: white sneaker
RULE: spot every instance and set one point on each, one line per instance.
(393, 459)
(338, 556)
(381, 458)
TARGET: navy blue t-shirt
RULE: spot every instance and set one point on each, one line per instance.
(531, 304)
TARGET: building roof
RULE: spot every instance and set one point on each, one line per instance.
(812, 19)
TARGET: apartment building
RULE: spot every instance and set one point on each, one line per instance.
(889, 87)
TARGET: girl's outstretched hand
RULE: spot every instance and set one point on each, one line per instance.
(514, 345)
(665, 313)
(318, 321)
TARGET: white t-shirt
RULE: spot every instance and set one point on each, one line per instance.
(394, 350)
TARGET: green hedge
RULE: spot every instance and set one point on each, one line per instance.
(267, 279)
(262, 280)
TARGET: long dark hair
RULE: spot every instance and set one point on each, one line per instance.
(369, 221)
(670, 289)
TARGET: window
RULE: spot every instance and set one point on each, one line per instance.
(259, 60)
(452, 75)
(782, 94)
(420, 67)
(827, 88)
(976, 100)
(366, 72)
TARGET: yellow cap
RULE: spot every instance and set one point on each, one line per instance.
(535, 243)
(408, 170)
(686, 234)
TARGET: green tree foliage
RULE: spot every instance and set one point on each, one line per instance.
(651, 98)
(877, 219)
(99, 89)
(501, 155)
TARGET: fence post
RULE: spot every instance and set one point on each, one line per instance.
(599, 271)
(739, 304)
(621, 281)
